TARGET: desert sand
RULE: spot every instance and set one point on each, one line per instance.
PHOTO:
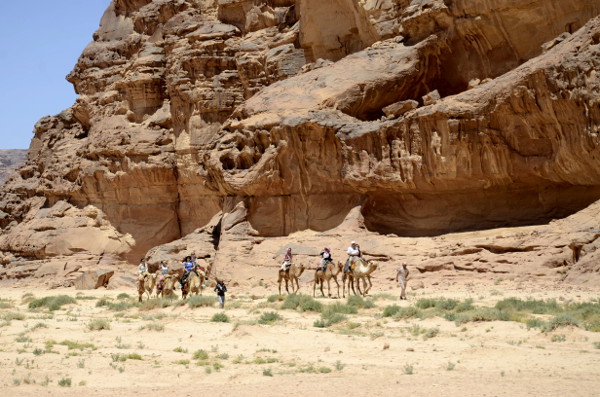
(163, 350)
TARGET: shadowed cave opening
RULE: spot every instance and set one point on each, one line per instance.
(418, 215)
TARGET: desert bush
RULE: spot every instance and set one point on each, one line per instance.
(200, 301)
(267, 372)
(72, 345)
(328, 319)
(269, 318)
(530, 305)
(563, 320)
(534, 323)
(65, 382)
(302, 303)
(52, 303)
(152, 327)
(13, 316)
(98, 324)
(123, 295)
(6, 303)
(200, 355)
(219, 318)
(338, 307)
(391, 310)
(275, 298)
(152, 304)
(360, 303)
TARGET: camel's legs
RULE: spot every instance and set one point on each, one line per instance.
(338, 286)
(279, 282)
(297, 284)
(357, 281)
(370, 285)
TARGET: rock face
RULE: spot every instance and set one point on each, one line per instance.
(228, 124)
(10, 160)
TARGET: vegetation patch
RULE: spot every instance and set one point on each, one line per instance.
(201, 301)
(98, 324)
(269, 318)
(52, 303)
(219, 318)
(302, 303)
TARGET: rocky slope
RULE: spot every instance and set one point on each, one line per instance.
(10, 160)
(235, 127)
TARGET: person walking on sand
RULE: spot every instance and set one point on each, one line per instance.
(220, 289)
(401, 277)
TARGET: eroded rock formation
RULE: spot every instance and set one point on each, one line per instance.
(10, 160)
(221, 124)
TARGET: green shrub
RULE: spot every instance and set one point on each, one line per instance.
(98, 324)
(123, 295)
(219, 318)
(200, 301)
(65, 382)
(534, 323)
(269, 318)
(200, 355)
(390, 311)
(13, 316)
(274, 298)
(408, 312)
(153, 327)
(267, 372)
(563, 320)
(338, 307)
(51, 302)
(329, 318)
(152, 304)
(76, 345)
(301, 303)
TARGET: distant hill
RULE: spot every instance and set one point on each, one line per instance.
(10, 160)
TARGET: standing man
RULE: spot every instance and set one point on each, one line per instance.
(401, 277)
(220, 289)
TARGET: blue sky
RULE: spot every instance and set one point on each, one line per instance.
(40, 41)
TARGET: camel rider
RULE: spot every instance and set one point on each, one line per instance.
(287, 260)
(188, 266)
(194, 258)
(164, 270)
(142, 271)
(325, 259)
(353, 253)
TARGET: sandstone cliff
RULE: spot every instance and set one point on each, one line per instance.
(228, 125)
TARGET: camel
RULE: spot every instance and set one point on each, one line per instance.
(168, 286)
(146, 285)
(361, 270)
(331, 272)
(292, 274)
(195, 282)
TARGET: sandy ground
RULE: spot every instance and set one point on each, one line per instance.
(365, 355)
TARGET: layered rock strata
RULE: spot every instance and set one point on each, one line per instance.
(233, 121)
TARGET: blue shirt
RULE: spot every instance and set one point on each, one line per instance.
(189, 266)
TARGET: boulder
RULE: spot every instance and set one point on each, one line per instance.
(93, 279)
